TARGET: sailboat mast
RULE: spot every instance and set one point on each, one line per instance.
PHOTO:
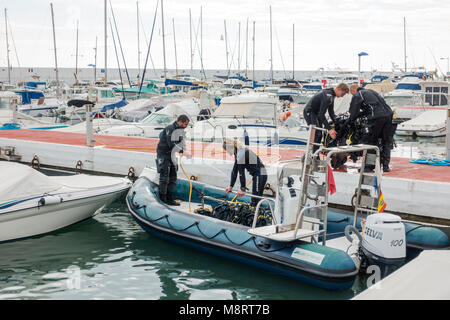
(163, 38)
(95, 61)
(175, 46)
(56, 56)
(254, 32)
(190, 33)
(246, 51)
(271, 51)
(7, 46)
(226, 45)
(404, 41)
(293, 51)
(138, 39)
(76, 58)
(239, 49)
(106, 42)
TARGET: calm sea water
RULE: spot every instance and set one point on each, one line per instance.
(111, 257)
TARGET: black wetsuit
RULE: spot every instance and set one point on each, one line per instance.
(368, 103)
(316, 109)
(246, 159)
(171, 141)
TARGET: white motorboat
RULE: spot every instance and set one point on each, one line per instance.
(104, 99)
(151, 126)
(253, 115)
(413, 96)
(11, 118)
(32, 203)
(432, 123)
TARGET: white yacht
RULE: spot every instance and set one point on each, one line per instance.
(32, 203)
(414, 95)
(253, 118)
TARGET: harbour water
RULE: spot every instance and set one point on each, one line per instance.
(111, 257)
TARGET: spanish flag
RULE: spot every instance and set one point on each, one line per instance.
(381, 203)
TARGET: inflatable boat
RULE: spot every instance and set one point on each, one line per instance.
(198, 227)
(293, 233)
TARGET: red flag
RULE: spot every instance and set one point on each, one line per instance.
(331, 183)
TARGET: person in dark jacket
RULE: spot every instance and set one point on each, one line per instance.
(317, 107)
(246, 159)
(368, 103)
(171, 141)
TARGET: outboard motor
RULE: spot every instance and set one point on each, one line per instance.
(384, 242)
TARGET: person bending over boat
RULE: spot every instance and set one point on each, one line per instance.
(368, 103)
(246, 159)
(317, 107)
(171, 141)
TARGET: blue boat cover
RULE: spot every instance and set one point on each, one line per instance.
(34, 84)
(378, 77)
(408, 86)
(120, 104)
(11, 126)
(27, 96)
(312, 87)
(179, 83)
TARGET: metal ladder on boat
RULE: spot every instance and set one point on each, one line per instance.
(364, 201)
(313, 167)
(313, 200)
(309, 216)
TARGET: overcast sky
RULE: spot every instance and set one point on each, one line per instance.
(328, 33)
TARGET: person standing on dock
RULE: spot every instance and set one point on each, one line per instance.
(246, 159)
(317, 107)
(368, 103)
(171, 141)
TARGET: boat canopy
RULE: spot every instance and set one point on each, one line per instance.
(174, 82)
(27, 95)
(408, 86)
(248, 106)
(312, 87)
(379, 78)
(35, 84)
(23, 182)
(120, 104)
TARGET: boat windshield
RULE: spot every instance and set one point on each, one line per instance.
(158, 119)
(292, 123)
(107, 94)
(399, 101)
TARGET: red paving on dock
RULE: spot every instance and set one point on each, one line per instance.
(401, 167)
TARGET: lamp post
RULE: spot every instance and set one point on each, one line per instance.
(361, 54)
(448, 67)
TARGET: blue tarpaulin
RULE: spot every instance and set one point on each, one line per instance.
(27, 96)
(312, 87)
(179, 83)
(408, 86)
(34, 84)
(120, 104)
(11, 126)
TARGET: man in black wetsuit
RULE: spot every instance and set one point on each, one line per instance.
(246, 159)
(171, 141)
(369, 103)
(316, 109)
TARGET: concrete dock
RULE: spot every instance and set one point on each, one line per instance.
(409, 189)
(424, 278)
